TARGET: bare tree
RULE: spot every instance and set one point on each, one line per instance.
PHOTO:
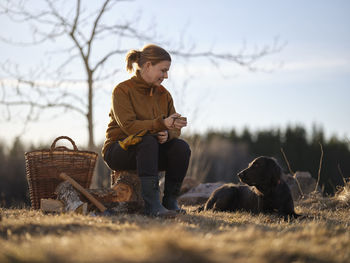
(50, 84)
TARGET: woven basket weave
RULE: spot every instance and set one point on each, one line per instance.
(44, 166)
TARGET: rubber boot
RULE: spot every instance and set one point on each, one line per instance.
(150, 194)
(171, 193)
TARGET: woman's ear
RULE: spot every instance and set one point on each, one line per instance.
(147, 65)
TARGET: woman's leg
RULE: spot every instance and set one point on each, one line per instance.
(147, 159)
(143, 157)
(119, 159)
(174, 157)
(147, 155)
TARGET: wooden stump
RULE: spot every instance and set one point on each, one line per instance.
(123, 196)
(127, 184)
(116, 174)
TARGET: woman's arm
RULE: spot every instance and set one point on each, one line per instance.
(175, 130)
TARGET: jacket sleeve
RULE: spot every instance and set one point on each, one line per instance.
(173, 133)
(126, 117)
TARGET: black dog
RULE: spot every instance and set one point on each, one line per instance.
(266, 192)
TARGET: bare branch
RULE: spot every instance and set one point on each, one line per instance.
(75, 23)
(292, 173)
(97, 20)
(126, 30)
(285, 158)
(41, 93)
(33, 104)
(19, 14)
(107, 76)
(245, 60)
(341, 174)
(108, 56)
(319, 168)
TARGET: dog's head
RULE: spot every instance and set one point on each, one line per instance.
(263, 172)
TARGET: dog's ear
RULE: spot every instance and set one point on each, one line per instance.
(276, 171)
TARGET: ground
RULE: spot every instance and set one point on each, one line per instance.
(30, 236)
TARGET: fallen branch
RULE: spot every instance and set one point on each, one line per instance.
(290, 170)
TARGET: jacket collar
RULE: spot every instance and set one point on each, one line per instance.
(140, 83)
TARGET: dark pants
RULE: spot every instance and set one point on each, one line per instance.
(148, 157)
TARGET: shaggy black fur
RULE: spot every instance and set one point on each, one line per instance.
(265, 191)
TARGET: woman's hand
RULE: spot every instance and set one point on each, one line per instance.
(180, 122)
(173, 121)
(162, 136)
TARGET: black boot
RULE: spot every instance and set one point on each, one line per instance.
(150, 194)
(171, 193)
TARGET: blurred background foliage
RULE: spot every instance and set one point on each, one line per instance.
(216, 156)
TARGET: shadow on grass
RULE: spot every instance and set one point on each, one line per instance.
(7, 232)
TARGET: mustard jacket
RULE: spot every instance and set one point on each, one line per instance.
(137, 106)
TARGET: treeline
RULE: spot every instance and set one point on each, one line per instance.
(13, 182)
(216, 156)
(302, 150)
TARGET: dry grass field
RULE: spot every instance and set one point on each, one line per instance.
(30, 236)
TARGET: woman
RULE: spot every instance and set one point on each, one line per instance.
(144, 128)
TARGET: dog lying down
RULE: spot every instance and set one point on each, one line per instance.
(265, 191)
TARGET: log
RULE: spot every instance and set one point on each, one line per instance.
(125, 192)
(51, 206)
(123, 197)
(83, 191)
(70, 198)
(83, 209)
(128, 186)
(104, 195)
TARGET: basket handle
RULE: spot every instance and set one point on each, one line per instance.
(63, 137)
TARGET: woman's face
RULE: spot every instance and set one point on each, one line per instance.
(155, 74)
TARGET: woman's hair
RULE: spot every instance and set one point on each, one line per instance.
(151, 53)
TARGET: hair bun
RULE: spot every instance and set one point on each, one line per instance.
(132, 57)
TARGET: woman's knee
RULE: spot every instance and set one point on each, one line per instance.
(118, 159)
(149, 141)
(179, 146)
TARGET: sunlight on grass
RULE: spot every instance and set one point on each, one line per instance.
(30, 236)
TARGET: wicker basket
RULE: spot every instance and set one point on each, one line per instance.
(44, 166)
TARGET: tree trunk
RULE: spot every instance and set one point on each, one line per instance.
(91, 143)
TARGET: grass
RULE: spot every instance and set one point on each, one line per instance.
(30, 236)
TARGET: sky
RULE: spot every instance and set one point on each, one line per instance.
(306, 83)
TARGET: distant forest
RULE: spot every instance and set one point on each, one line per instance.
(216, 156)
